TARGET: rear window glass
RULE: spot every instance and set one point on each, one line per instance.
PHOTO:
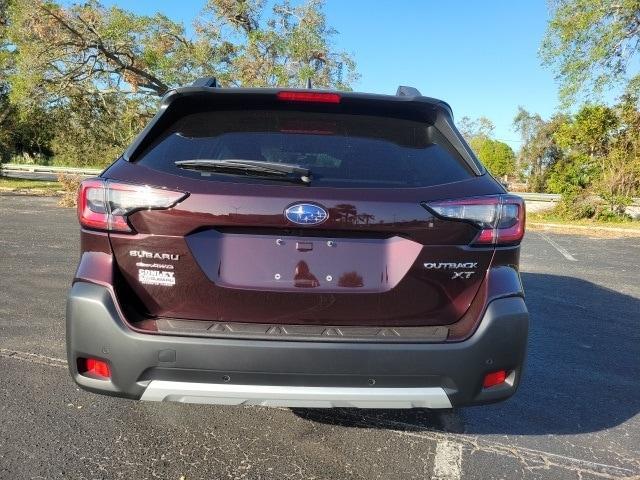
(341, 150)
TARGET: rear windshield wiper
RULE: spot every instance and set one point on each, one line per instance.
(273, 170)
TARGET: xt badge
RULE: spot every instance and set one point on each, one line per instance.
(462, 275)
(463, 269)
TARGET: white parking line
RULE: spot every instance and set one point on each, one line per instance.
(559, 248)
(33, 358)
(447, 464)
(532, 458)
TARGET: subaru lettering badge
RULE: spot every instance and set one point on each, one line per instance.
(306, 214)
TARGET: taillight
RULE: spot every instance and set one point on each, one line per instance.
(501, 218)
(105, 204)
(313, 97)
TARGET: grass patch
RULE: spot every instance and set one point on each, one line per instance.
(9, 183)
(547, 217)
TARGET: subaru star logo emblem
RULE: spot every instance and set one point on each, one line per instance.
(306, 214)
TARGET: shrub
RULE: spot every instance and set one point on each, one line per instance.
(579, 205)
(70, 185)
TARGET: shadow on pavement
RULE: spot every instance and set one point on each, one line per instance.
(582, 371)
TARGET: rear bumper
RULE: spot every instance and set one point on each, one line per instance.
(294, 373)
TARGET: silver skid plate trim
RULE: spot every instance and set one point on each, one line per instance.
(283, 396)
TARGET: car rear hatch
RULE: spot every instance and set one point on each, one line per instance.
(377, 237)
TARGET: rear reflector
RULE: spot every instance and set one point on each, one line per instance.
(94, 368)
(494, 378)
(313, 97)
(501, 218)
(105, 204)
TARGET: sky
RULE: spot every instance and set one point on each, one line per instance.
(480, 57)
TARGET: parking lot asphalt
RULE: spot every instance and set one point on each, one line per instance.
(574, 416)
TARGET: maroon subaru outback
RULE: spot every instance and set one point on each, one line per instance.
(298, 248)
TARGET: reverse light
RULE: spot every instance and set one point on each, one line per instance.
(94, 368)
(494, 378)
(501, 218)
(105, 204)
(313, 97)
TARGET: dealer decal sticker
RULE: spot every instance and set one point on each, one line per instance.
(156, 277)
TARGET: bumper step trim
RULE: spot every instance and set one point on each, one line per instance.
(285, 396)
(270, 331)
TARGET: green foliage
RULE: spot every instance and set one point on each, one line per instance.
(571, 175)
(583, 205)
(22, 184)
(539, 151)
(590, 132)
(592, 44)
(108, 122)
(592, 158)
(497, 156)
(603, 148)
(574, 206)
(585, 140)
(28, 136)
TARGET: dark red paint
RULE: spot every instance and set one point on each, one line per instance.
(241, 260)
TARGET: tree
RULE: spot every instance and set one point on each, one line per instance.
(26, 134)
(589, 133)
(621, 176)
(586, 140)
(287, 49)
(105, 124)
(5, 68)
(497, 156)
(601, 159)
(103, 69)
(592, 44)
(539, 149)
(88, 49)
(472, 128)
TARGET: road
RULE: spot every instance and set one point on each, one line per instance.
(575, 415)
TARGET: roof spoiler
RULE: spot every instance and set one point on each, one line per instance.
(205, 91)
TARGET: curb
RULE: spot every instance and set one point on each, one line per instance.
(17, 167)
(34, 192)
(635, 231)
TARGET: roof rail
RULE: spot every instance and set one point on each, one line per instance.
(404, 91)
(205, 82)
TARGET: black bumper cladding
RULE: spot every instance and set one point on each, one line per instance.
(294, 373)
